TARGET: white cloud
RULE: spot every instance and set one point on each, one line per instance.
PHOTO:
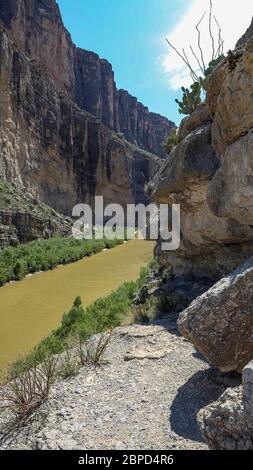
(234, 17)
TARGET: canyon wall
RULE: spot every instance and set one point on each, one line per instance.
(59, 152)
(210, 173)
(38, 31)
(66, 133)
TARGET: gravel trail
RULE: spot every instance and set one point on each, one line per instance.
(146, 396)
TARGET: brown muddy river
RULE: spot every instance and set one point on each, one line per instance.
(31, 308)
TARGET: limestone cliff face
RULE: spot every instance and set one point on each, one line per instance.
(59, 152)
(66, 133)
(210, 173)
(38, 30)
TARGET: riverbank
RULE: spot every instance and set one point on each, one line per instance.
(43, 255)
(34, 306)
(81, 323)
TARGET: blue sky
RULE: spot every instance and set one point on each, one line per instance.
(131, 34)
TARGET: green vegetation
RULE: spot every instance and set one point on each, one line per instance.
(171, 142)
(191, 99)
(211, 66)
(14, 200)
(42, 255)
(80, 323)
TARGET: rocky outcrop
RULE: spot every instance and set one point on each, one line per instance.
(38, 30)
(220, 322)
(230, 192)
(215, 193)
(19, 227)
(24, 218)
(227, 423)
(211, 245)
(60, 153)
(215, 189)
(246, 36)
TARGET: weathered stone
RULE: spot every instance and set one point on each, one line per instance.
(197, 119)
(229, 96)
(247, 381)
(227, 423)
(230, 193)
(151, 353)
(220, 322)
(247, 35)
(18, 227)
(223, 424)
(210, 246)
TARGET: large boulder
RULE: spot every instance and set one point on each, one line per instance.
(220, 322)
(227, 423)
(211, 245)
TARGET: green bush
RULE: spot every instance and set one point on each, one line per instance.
(210, 69)
(104, 314)
(191, 98)
(42, 255)
(171, 142)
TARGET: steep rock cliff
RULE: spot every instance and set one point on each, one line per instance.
(38, 30)
(210, 246)
(61, 153)
(212, 178)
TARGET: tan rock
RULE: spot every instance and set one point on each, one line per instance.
(141, 353)
(230, 101)
(198, 118)
(220, 322)
(230, 193)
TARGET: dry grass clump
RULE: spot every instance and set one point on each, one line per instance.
(25, 393)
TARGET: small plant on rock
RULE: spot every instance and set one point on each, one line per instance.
(96, 348)
(191, 99)
(68, 367)
(141, 314)
(24, 394)
(171, 142)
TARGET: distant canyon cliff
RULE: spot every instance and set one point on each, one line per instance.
(66, 132)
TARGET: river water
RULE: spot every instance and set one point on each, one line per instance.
(31, 308)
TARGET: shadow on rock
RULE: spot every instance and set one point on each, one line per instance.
(169, 323)
(200, 390)
(199, 356)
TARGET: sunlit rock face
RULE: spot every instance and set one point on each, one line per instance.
(38, 30)
(66, 133)
(210, 172)
(230, 192)
(210, 245)
(219, 323)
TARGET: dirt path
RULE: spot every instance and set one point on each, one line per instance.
(146, 397)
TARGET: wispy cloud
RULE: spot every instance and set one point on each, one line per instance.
(234, 17)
